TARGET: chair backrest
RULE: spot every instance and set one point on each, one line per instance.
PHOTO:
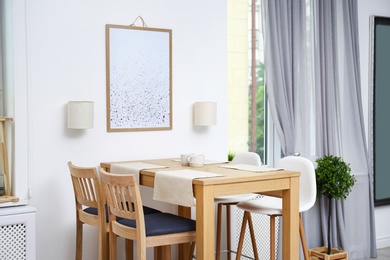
(86, 185)
(120, 191)
(307, 183)
(247, 158)
(88, 193)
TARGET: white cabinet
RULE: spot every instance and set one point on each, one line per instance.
(18, 233)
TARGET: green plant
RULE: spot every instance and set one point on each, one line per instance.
(334, 181)
(230, 156)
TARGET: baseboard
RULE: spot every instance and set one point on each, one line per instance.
(383, 242)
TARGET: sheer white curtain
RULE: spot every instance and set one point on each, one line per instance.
(313, 84)
(284, 25)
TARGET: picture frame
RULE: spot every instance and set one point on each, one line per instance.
(139, 78)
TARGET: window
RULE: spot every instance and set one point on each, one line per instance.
(6, 83)
(247, 99)
(2, 190)
(1, 64)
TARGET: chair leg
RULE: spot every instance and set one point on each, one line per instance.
(192, 251)
(102, 247)
(242, 234)
(157, 253)
(253, 238)
(141, 250)
(303, 238)
(272, 238)
(79, 240)
(247, 218)
(112, 246)
(166, 252)
(219, 230)
(107, 246)
(129, 244)
(228, 231)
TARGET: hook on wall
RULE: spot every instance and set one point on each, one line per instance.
(142, 20)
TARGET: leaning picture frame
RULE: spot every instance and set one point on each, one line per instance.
(139, 78)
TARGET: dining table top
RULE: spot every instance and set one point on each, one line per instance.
(230, 174)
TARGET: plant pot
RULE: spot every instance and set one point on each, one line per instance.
(321, 253)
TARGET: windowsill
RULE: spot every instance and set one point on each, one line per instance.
(5, 198)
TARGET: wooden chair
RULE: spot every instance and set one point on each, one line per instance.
(250, 158)
(272, 206)
(159, 230)
(91, 208)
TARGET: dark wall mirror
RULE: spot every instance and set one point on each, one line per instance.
(380, 101)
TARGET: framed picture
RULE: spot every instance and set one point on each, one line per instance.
(139, 78)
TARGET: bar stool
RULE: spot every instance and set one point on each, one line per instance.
(227, 201)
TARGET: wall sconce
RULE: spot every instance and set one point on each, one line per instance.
(80, 114)
(205, 113)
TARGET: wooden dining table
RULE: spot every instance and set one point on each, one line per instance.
(280, 183)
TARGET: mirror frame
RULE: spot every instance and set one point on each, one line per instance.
(380, 106)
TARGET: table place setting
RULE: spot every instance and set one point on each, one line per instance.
(195, 160)
(206, 162)
(133, 168)
(175, 186)
(251, 168)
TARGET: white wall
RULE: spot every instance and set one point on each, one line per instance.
(59, 52)
(366, 9)
(60, 56)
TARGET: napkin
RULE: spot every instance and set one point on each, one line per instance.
(175, 187)
(133, 168)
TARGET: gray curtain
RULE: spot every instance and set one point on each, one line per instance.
(284, 53)
(313, 84)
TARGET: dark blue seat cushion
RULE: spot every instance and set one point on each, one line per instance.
(94, 211)
(162, 224)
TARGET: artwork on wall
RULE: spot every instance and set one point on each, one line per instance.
(139, 78)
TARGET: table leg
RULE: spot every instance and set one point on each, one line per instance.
(184, 249)
(204, 222)
(290, 241)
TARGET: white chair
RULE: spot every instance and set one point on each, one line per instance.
(250, 158)
(272, 206)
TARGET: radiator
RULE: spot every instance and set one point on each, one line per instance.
(18, 233)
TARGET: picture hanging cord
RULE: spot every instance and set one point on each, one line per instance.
(143, 22)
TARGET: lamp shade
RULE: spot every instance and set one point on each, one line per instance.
(80, 114)
(205, 113)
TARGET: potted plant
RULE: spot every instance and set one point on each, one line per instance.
(334, 181)
(231, 156)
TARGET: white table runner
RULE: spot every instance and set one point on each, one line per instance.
(251, 168)
(133, 168)
(176, 186)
